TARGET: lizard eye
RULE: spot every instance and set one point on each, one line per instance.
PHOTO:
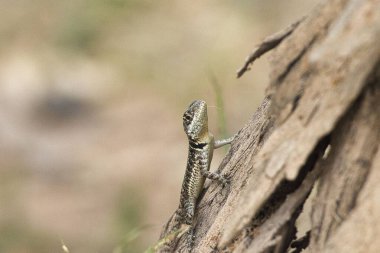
(187, 118)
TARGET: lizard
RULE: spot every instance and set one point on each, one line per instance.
(200, 153)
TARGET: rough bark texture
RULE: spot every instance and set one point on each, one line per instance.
(319, 127)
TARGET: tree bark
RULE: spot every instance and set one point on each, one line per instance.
(317, 130)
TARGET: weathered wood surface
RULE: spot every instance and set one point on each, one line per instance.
(318, 127)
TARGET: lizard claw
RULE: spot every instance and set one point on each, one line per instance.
(226, 179)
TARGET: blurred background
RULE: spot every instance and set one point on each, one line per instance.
(92, 92)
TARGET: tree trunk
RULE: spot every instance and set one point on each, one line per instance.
(313, 141)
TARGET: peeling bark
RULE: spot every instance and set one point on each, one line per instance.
(318, 127)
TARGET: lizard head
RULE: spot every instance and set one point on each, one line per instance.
(195, 120)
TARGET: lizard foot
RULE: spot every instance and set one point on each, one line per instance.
(222, 178)
(226, 179)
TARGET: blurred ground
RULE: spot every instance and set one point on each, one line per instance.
(92, 150)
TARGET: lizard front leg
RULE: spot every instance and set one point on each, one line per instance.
(221, 143)
(214, 176)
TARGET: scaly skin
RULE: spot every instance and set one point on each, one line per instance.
(201, 147)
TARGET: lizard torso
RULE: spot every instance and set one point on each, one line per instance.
(201, 148)
(199, 159)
